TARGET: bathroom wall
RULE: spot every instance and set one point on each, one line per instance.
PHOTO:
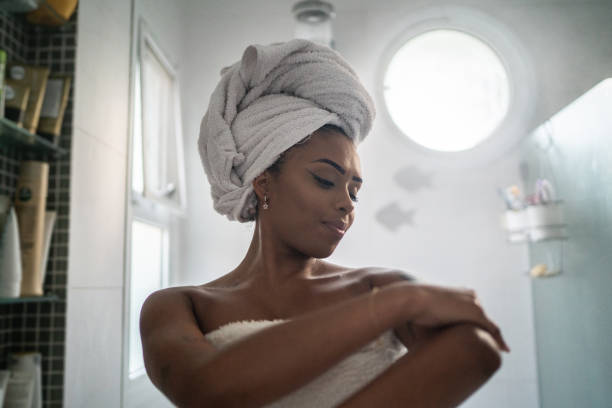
(97, 206)
(453, 238)
(95, 318)
(449, 220)
(572, 310)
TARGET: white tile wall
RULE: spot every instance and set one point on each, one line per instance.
(99, 162)
(103, 92)
(93, 345)
(98, 211)
(102, 80)
(109, 18)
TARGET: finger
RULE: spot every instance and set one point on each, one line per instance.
(502, 343)
(497, 335)
(465, 291)
(483, 321)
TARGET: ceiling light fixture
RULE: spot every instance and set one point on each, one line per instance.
(314, 21)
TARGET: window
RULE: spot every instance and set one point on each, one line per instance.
(157, 184)
(158, 160)
(446, 90)
(457, 86)
(149, 272)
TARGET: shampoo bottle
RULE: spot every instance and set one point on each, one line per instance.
(10, 254)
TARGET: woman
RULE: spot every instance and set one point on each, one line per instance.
(285, 328)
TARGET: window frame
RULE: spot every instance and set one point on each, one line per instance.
(138, 390)
(398, 97)
(522, 98)
(147, 39)
(165, 269)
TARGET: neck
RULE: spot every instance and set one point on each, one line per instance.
(270, 263)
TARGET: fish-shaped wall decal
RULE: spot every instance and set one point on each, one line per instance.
(393, 217)
(412, 179)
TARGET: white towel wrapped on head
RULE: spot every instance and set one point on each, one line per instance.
(272, 98)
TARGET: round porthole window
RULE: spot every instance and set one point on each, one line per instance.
(446, 90)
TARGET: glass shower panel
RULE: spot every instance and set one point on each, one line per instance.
(573, 310)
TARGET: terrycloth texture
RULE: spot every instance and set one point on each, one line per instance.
(272, 98)
(336, 384)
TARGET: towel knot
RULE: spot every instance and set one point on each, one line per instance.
(238, 159)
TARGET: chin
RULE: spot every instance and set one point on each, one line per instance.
(322, 253)
(316, 246)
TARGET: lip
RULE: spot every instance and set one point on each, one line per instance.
(337, 228)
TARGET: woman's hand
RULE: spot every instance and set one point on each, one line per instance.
(436, 307)
(439, 306)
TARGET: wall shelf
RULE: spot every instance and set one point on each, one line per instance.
(49, 297)
(13, 135)
(543, 228)
(38, 323)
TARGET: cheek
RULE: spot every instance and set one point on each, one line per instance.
(303, 207)
(306, 202)
(300, 220)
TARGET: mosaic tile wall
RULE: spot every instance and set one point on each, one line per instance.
(40, 326)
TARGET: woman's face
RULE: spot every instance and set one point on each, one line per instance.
(312, 199)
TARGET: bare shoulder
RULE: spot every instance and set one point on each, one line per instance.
(166, 304)
(192, 305)
(380, 276)
(172, 294)
(375, 275)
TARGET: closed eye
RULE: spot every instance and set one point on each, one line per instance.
(328, 184)
(322, 181)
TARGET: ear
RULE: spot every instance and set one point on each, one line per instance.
(261, 185)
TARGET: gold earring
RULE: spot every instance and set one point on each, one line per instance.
(265, 204)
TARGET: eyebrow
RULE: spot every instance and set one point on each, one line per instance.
(337, 167)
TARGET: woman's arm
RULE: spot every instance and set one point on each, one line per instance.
(440, 373)
(410, 334)
(262, 367)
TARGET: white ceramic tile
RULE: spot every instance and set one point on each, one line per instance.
(97, 214)
(104, 16)
(93, 348)
(102, 81)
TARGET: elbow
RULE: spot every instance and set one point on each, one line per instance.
(483, 349)
(204, 396)
(208, 385)
(214, 391)
(194, 390)
(201, 395)
(491, 360)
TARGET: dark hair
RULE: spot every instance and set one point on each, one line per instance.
(275, 168)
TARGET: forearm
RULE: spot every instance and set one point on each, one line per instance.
(440, 373)
(271, 363)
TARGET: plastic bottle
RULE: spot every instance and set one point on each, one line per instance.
(10, 254)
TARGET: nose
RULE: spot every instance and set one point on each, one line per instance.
(345, 204)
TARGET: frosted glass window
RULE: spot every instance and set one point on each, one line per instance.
(446, 90)
(148, 274)
(157, 119)
(158, 163)
(137, 150)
